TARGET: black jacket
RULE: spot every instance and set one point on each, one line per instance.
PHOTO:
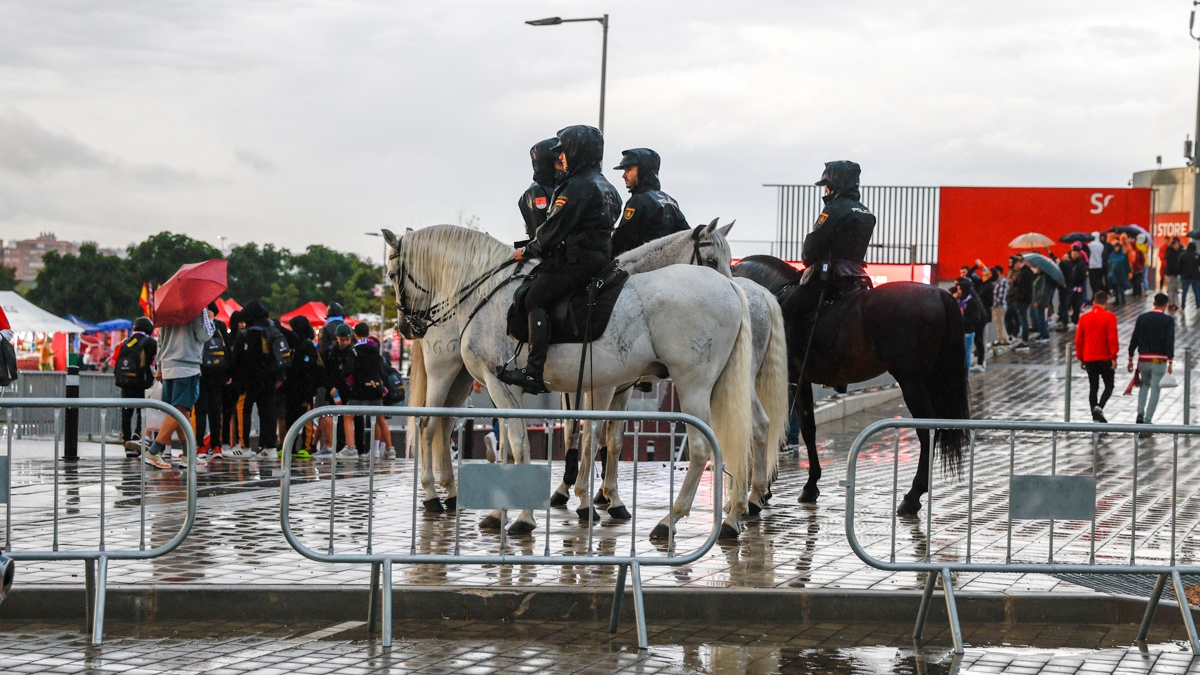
(843, 230)
(974, 316)
(252, 363)
(987, 294)
(1189, 265)
(650, 213)
(368, 375)
(535, 203)
(1074, 272)
(1022, 287)
(1154, 333)
(307, 371)
(585, 204)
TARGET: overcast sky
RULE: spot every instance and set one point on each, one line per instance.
(299, 122)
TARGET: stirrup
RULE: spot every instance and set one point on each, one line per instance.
(521, 378)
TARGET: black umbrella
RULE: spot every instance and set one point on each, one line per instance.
(1076, 236)
(1131, 230)
(1194, 234)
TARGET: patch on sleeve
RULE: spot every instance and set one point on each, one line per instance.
(629, 213)
(822, 218)
(540, 202)
(558, 203)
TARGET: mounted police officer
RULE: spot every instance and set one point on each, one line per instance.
(535, 203)
(834, 253)
(574, 242)
(650, 213)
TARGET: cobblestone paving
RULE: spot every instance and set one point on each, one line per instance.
(549, 647)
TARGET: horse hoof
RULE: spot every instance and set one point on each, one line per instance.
(489, 523)
(753, 509)
(619, 513)
(600, 499)
(452, 504)
(660, 533)
(728, 532)
(521, 527)
(809, 494)
(433, 505)
(767, 497)
(559, 499)
(586, 513)
(910, 506)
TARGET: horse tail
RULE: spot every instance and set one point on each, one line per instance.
(417, 378)
(729, 404)
(770, 383)
(949, 390)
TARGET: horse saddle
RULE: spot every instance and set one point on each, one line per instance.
(569, 320)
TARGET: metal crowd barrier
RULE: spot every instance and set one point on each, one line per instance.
(95, 559)
(53, 384)
(1070, 499)
(1069, 364)
(484, 486)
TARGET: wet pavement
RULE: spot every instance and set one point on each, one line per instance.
(236, 538)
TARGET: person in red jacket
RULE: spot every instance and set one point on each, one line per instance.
(1097, 347)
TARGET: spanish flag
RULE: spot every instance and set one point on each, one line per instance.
(146, 300)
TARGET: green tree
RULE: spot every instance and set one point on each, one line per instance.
(160, 256)
(255, 272)
(8, 278)
(95, 286)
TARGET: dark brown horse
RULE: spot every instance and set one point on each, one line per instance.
(912, 331)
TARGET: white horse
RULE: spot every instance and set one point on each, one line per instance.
(448, 274)
(436, 359)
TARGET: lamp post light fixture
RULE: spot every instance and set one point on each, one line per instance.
(603, 20)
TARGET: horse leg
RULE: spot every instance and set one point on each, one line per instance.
(505, 396)
(808, 431)
(460, 389)
(613, 442)
(562, 494)
(760, 481)
(916, 397)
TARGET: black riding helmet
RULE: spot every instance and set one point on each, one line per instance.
(583, 145)
(143, 324)
(542, 156)
(647, 161)
(841, 176)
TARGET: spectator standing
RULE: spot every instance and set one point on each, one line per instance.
(256, 368)
(367, 386)
(181, 350)
(1020, 298)
(339, 371)
(1189, 274)
(986, 292)
(974, 318)
(326, 341)
(1095, 270)
(133, 373)
(1171, 272)
(233, 399)
(1074, 269)
(214, 375)
(1118, 273)
(1043, 296)
(1137, 266)
(1097, 348)
(1154, 341)
(1000, 305)
(300, 385)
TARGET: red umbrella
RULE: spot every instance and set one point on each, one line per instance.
(189, 291)
(315, 312)
(227, 307)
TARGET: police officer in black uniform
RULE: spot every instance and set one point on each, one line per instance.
(574, 243)
(535, 203)
(650, 213)
(834, 253)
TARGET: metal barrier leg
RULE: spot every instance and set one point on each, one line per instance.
(387, 603)
(923, 610)
(101, 586)
(89, 590)
(639, 605)
(952, 611)
(373, 600)
(616, 606)
(1151, 606)
(1186, 608)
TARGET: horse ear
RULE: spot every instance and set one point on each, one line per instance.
(408, 229)
(391, 238)
(725, 230)
(708, 229)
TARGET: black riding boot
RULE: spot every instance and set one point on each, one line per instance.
(530, 377)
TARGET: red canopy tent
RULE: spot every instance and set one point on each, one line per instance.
(315, 312)
(226, 308)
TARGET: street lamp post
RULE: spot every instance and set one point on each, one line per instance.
(1194, 161)
(383, 295)
(555, 20)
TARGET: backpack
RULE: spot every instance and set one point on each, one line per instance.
(132, 370)
(214, 360)
(394, 382)
(276, 344)
(8, 363)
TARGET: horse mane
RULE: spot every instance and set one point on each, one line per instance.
(767, 270)
(447, 258)
(676, 248)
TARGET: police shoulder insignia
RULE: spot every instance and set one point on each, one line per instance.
(822, 218)
(540, 202)
(559, 202)
(629, 213)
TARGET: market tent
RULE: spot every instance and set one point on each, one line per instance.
(87, 326)
(26, 316)
(114, 324)
(315, 312)
(226, 308)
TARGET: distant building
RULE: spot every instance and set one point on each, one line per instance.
(1171, 205)
(26, 255)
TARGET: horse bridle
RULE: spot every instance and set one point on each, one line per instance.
(697, 244)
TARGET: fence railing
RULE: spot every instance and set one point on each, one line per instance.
(52, 384)
(481, 486)
(68, 525)
(1052, 498)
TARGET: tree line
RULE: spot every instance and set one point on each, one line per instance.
(98, 287)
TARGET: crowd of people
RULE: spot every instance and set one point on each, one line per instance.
(221, 376)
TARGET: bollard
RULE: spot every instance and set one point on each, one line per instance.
(1067, 392)
(1187, 386)
(71, 419)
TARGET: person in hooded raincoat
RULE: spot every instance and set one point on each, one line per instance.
(835, 252)
(650, 213)
(573, 243)
(535, 203)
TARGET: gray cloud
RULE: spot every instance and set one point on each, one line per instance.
(253, 160)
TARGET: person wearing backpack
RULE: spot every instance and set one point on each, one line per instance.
(8, 353)
(133, 374)
(339, 376)
(180, 351)
(300, 385)
(214, 374)
(367, 386)
(326, 341)
(258, 373)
